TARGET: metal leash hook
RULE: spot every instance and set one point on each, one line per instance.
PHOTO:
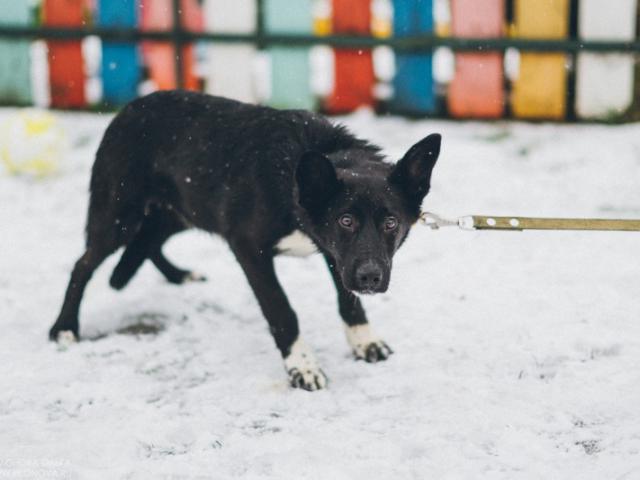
(435, 222)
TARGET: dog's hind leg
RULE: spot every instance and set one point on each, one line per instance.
(82, 271)
(133, 257)
(365, 344)
(169, 223)
(157, 227)
(172, 273)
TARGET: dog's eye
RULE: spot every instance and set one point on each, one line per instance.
(390, 224)
(346, 221)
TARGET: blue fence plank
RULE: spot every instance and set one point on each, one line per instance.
(120, 61)
(413, 85)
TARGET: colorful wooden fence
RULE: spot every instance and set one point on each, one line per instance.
(244, 39)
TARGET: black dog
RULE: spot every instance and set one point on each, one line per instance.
(267, 181)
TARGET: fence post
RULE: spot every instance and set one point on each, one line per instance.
(177, 42)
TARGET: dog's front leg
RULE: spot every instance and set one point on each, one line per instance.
(299, 359)
(364, 343)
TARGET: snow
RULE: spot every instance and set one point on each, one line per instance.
(517, 355)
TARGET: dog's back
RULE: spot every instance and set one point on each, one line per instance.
(210, 159)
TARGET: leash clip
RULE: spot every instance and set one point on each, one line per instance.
(435, 222)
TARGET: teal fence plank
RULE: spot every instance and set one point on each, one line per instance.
(15, 55)
(288, 16)
(290, 74)
(290, 71)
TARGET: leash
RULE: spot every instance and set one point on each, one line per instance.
(518, 224)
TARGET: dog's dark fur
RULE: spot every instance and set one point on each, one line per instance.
(174, 160)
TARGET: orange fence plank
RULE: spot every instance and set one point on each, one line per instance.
(159, 57)
(477, 89)
(192, 20)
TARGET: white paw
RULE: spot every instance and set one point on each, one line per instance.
(302, 368)
(65, 339)
(366, 345)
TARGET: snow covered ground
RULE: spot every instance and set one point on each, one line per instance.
(517, 354)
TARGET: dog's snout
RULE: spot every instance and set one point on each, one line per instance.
(369, 277)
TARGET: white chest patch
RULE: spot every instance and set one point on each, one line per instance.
(296, 244)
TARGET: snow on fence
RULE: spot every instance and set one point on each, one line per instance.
(534, 59)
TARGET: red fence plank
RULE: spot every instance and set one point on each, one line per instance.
(354, 75)
(66, 65)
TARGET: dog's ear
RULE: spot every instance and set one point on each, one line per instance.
(413, 173)
(317, 181)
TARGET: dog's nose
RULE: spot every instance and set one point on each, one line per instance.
(369, 276)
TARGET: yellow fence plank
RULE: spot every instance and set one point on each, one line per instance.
(541, 87)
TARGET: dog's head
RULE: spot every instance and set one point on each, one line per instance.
(359, 215)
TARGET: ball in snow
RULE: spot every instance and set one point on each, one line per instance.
(32, 142)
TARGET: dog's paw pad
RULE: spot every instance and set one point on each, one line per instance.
(194, 277)
(65, 339)
(309, 380)
(302, 368)
(376, 352)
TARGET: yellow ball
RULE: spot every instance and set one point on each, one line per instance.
(32, 142)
